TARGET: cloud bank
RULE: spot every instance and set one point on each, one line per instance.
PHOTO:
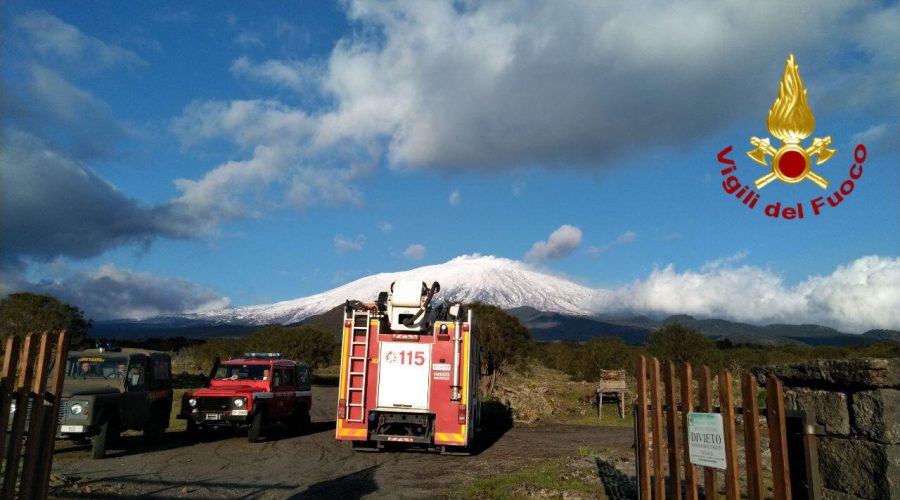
(855, 297)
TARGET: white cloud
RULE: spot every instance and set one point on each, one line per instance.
(454, 198)
(281, 169)
(344, 244)
(508, 84)
(626, 237)
(856, 297)
(415, 251)
(110, 292)
(51, 37)
(561, 242)
(385, 227)
(298, 76)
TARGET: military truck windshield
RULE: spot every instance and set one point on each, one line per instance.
(242, 372)
(96, 367)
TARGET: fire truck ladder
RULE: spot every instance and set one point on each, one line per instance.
(363, 360)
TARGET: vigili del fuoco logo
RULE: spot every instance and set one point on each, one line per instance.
(791, 121)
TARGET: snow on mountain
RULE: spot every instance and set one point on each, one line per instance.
(502, 282)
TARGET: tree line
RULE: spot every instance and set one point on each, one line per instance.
(506, 343)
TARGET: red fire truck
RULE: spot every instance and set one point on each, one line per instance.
(409, 372)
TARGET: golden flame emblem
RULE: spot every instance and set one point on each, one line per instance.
(791, 121)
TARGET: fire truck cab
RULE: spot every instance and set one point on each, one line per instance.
(409, 372)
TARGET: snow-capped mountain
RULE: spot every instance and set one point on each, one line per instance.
(502, 282)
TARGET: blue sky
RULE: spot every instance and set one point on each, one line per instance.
(167, 156)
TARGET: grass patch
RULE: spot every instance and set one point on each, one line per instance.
(551, 477)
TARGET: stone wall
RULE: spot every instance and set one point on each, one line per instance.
(856, 404)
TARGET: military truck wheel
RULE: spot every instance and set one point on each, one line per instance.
(255, 429)
(99, 442)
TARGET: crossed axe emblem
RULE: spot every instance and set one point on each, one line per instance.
(791, 152)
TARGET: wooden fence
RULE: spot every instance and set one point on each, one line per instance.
(27, 434)
(655, 414)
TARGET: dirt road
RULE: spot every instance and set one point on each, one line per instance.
(313, 465)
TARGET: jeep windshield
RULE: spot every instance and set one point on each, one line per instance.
(95, 367)
(242, 372)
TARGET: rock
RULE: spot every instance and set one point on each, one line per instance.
(844, 373)
(837, 495)
(876, 415)
(828, 409)
(860, 468)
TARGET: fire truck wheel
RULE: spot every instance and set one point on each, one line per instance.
(255, 429)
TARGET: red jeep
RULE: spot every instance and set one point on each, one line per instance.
(250, 391)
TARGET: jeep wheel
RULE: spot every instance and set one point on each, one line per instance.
(155, 428)
(99, 442)
(255, 429)
(300, 421)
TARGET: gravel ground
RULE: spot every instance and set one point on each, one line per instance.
(313, 465)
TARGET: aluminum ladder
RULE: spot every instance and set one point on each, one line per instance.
(355, 328)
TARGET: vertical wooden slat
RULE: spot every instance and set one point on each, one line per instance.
(14, 449)
(672, 433)
(687, 406)
(659, 480)
(30, 465)
(781, 477)
(643, 448)
(711, 490)
(7, 383)
(751, 437)
(56, 386)
(726, 399)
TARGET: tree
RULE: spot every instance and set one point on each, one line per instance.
(600, 353)
(23, 313)
(503, 338)
(304, 343)
(677, 343)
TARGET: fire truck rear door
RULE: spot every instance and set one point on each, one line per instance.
(404, 375)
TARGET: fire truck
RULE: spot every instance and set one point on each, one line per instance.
(409, 372)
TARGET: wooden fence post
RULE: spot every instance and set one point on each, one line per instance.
(781, 477)
(62, 352)
(726, 399)
(659, 479)
(710, 488)
(687, 406)
(7, 383)
(641, 416)
(31, 464)
(751, 437)
(17, 433)
(672, 433)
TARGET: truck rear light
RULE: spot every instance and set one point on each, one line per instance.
(461, 416)
(348, 324)
(342, 408)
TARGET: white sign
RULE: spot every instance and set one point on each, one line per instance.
(706, 440)
(403, 375)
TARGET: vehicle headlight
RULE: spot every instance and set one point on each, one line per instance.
(239, 402)
(192, 401)
(76, 409)
(12, 407)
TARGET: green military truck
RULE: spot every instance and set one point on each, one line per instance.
(108, 391)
